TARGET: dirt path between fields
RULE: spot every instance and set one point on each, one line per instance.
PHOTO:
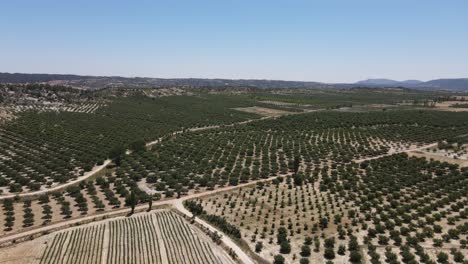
(175, 203)
(97, 169)
(397, 151)
(206, 128)
(88, 174)
(428, 155)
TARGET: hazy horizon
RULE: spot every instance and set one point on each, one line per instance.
(286, 80)
(331, 42)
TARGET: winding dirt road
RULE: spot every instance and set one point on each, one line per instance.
(397, 152)
(175, 203)
(97, 169)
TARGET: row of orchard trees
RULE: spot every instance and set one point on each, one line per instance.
(45, 148)
(233, 155)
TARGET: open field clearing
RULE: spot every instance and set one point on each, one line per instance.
(280, 103)
(462, 162)
(5, 115)
(157, 237)
(453, 106)
(332, 99)
(454, 152)
(263, 111)
(413, 207)
(287, 106)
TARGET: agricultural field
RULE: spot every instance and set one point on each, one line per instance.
(453, 106)
(87, 108)
(332, 99)
(310, 178)
(160, 236)
(390, 209)
(458, 105)
(228, 156)
(87, 198)
(42, 150)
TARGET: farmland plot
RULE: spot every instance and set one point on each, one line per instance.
(43, 149)
(266, 148)
(157, 237)
(392, 208)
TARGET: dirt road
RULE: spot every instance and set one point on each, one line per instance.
(178, 205)
(175, 203)
(206, 128)
(397, 151)
(97, 169)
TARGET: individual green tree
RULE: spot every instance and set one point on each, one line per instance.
(329, 253)
(116, 154)
(298, 179)
(383, 240)
(341, 250)
(43, 199)
(305, 250)
(282, 235)
(355, 257)
(150, 203)
(329, 242)
(390, 257)
(323, 222)
(317, 244)
(457, 256)
(65, 209)
(258, 247)
(442, 257)
(285, 247)
(353, 244)
(296, 164)
(9, 222)
(47, 211)
(278, 259)
(406, 254)
(131, 201)
(437, 242)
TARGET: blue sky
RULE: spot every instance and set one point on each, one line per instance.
(327, 40)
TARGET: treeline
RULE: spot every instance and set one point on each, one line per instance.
(30, 78)
(220, 222)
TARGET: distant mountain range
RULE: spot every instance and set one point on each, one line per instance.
(98, 82)
(438, 84)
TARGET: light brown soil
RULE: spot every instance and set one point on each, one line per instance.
(263, 111)
(32, 251)
(28, 252)
(427, 155)
(4, 115)
(446, 106)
